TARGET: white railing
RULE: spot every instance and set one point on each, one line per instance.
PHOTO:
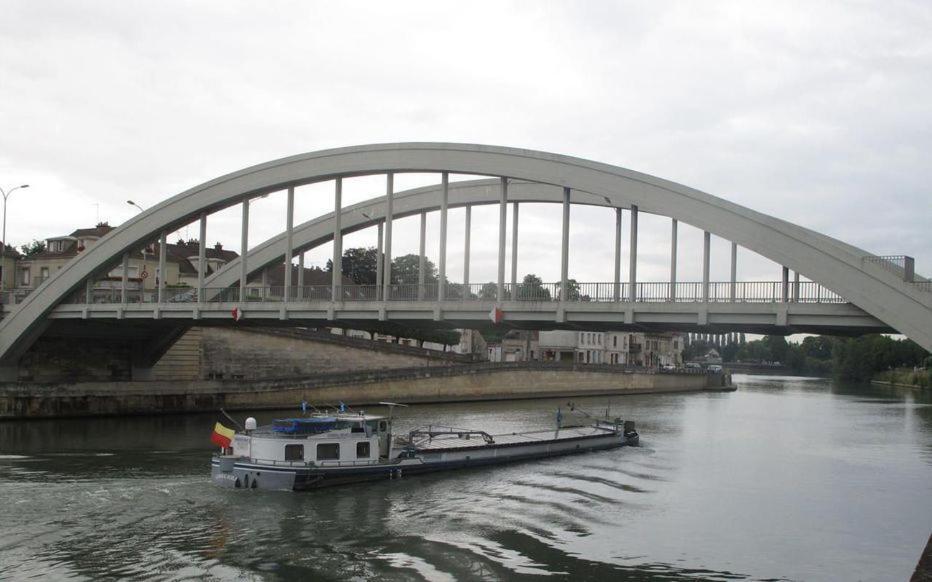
(687, 292)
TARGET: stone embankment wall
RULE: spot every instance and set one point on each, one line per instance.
(224, 353)
(446, 384)
(228, 353)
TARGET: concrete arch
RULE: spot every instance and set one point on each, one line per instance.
(837, 265)
(318, 231)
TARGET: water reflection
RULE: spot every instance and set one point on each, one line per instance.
(786, 479)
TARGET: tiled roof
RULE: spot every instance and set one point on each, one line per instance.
(98, 231)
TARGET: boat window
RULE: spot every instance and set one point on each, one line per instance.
(294, 452)
(362, 450)
(383, 426)
(328, 452)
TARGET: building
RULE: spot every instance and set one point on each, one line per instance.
(181, 264)
(612, 347)
(520, 346)
(471, 342)
(8, 262)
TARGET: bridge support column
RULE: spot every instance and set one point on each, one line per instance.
(289, 242)
(301, 294)
(442, 282)
(734, 271)
(673, 250)
(389, 220)
(633, 258)
(785, 285)
(244, 251)
(163, 250)
(795, 286)
(336, 281)
(565, 246)
(124, 278)
(502, 222)
(466, 252)
(422, 259)
(616, 290)
(202, 258)
(514, 250)
(379, 260)
(706, 247)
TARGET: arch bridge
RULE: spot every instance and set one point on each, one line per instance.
(835, 288)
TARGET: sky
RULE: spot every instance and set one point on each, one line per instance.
(819, 113)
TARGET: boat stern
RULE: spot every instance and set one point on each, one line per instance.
(226, 472)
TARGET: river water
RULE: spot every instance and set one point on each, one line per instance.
(786, 479)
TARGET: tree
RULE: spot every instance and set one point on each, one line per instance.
(405, 270)
(33, 248)
(572, 291)
(532, 288)
(489, 292)
(359, 264)
(777, 347)
(817, 347)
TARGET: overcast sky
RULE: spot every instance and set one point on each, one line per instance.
(819, 113)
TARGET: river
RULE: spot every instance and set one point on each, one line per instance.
(785, 479)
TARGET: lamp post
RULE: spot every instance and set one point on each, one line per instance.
(131, 203)
(6, 194)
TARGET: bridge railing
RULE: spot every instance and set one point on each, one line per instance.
(647, 292)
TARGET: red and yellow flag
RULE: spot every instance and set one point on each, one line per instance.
(222, 436)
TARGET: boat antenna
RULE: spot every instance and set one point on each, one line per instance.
(224, 412)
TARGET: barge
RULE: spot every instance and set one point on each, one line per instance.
(339, 447)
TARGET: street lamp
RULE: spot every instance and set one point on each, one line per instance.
(6, 194)
(131, 203)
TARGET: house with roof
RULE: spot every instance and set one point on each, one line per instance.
(181, 264)
(8, 260)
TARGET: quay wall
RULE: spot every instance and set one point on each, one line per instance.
(414, 385)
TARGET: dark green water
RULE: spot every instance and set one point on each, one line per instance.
(785, 479)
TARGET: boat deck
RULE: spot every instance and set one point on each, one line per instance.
(452, 441)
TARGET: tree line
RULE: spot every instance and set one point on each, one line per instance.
(360, 264)
(852, 359)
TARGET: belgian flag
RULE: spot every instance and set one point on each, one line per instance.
(222, 436)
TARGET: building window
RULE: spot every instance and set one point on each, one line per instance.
(614, 341)
(44, 273)
(362, 450)
(294, 452)
(25, 279)
(328, 452)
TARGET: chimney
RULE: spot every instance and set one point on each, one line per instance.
(218, 247)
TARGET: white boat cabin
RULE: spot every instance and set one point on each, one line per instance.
(322, 440)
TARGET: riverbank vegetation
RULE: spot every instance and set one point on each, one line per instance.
(857, 359)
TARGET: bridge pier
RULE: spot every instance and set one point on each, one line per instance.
(565, 245)
(442, 280)
(337, 272)
(289, 242)
(502, 222)
(244, 251)
(633, 259)
(673, 250)
(389, 220)
(616, 290)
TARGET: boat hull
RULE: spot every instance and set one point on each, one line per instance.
(241, 473)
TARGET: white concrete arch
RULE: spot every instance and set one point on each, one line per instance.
(319, 230)
(837, 265)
